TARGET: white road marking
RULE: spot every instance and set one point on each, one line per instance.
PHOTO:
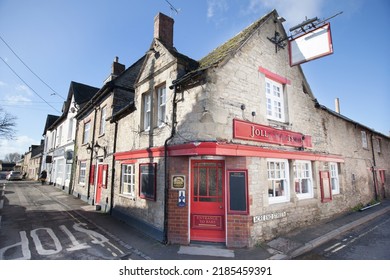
(38, 243)
(339, 248)
(331, 247)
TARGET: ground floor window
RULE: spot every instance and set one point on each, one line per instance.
(82, 172)
(60, 168)
(278, 180)
(303, 179)
(128, 180)
(68, 171)
(334, 178)
(147, 181)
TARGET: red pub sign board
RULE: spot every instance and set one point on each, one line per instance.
(261, 133)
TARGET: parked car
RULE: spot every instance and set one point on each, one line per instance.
(14, 175)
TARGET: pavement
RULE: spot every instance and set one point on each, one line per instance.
(141, 247)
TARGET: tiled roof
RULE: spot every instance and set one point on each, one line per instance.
(230, 47)
(82, 93)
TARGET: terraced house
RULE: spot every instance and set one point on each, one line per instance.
(60, 136)
(232, 148)
(96, 136)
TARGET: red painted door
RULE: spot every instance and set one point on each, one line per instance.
(207, 201)
(101, 181)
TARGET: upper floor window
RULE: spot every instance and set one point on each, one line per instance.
(275, 100)
(364, 140)
(102, 127)
(303, 179)
(147, 106)
(70, 128)
(161, 97)
(278, 180)
(378, 145)
(59, 136)
(87, 128)
(334, 178)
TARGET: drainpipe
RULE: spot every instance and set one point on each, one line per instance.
(373, 167)
(113, 167)
(91, 162)
(166, 187)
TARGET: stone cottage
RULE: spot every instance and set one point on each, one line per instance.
(96, 134)
(233, 148)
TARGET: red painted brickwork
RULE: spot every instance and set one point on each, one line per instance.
(178, 216)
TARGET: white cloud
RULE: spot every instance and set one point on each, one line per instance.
(24, 89)
(15, 99)
(19, 145)
(2, 84)
(19, 94)
(216, 7)
(293, 11)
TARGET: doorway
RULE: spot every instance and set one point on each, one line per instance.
(207, 213)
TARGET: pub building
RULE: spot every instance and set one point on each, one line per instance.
(234, 148)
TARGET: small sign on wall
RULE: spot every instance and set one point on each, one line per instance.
(178, 182)
(182, 199)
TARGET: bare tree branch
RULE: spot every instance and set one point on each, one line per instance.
(7, 125)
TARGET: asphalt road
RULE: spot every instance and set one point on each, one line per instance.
(370, 241)
(36, 225)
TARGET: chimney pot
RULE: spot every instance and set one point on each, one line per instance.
(163, 29)
(337, 105)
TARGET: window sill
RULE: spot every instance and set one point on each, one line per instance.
(126, 196)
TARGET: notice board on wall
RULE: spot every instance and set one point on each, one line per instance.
(238, 191)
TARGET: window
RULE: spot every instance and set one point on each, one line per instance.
(378, 145)
(161, 97)
(70, 128)
(278, 178)
(275, 100)
(334, 178)
(102, 127)
(128, 180)
(83, 168)
(60, 168)
(59, 136)
(147, 181)
(147, 111)
(68, 171)
(87, 127)
(364, 140)
(303, 179)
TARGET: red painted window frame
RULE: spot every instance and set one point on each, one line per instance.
(141, 193)
(237, 212)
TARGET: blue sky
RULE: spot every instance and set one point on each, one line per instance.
(64, 41)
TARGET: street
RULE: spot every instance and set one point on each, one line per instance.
(370, 241)
(36, 225)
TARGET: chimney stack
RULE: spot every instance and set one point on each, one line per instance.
(117, 68)
(163, 29)
(337, 105)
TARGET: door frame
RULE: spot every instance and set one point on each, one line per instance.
(99, 170)
(190, 196)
